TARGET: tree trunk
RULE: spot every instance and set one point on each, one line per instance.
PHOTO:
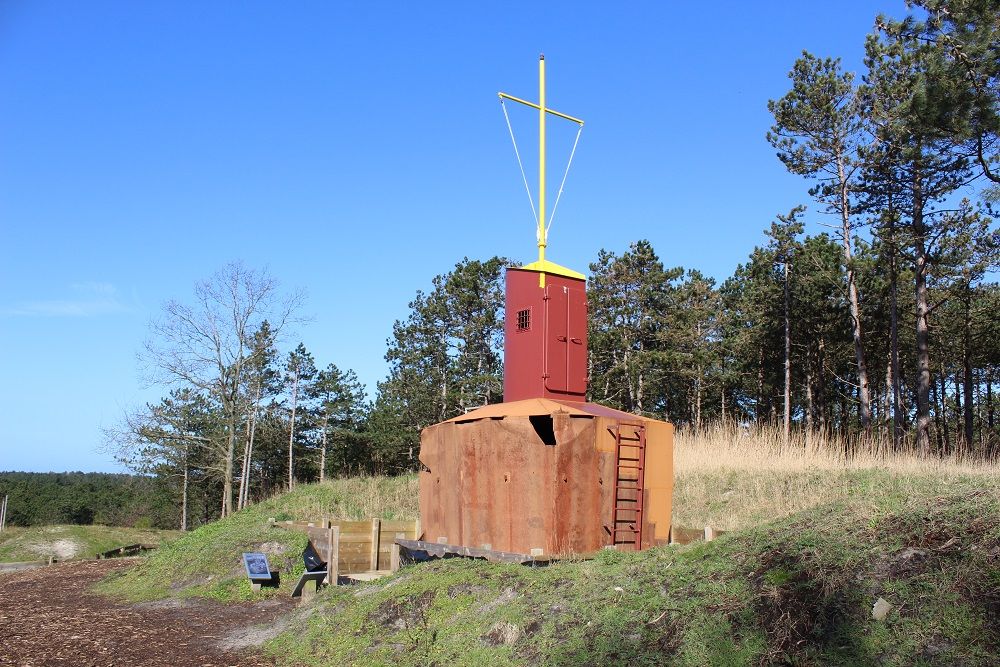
(822, 410)
(938, 427)
(184, 492)
(944, 413)
(922, 329)
(243, 467)
(788, 360)
(760, 385)
(697, 402)
(810, 405)
(722, 397)
(989, 398)
(253, 431)
(958, 412)
(967, 363)
(809, 402)
(322, 455)
(897, 403)
(291, 433)
(864, 398)
(887, 407)
(227, 482)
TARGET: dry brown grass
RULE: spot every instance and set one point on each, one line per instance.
(730, 477)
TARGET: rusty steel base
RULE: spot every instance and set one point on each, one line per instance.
(419, 550)
(546, 477)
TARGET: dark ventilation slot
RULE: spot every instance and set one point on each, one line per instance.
(524, 319)
(543, 427)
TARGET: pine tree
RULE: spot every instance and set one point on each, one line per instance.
(818, 132)
(912, 163)
(340, 406)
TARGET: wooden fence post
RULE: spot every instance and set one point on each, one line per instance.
(333, 562)
(394, 557)
(376, 527)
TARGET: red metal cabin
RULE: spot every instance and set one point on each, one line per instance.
(545, 335)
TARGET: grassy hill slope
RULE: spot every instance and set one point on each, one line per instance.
(73, 541)
(797, 590)
(816, 538)
(207, 561)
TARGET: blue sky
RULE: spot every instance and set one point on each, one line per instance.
(354, 150)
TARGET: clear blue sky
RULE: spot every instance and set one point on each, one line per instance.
(355, 150)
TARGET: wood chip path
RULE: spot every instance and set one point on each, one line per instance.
(49, 618)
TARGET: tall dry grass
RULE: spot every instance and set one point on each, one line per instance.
(729, 476)
(725, 444)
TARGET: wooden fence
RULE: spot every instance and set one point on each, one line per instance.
(680, 535)
(356, 547)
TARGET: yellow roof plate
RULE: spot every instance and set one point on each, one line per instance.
(545, 266)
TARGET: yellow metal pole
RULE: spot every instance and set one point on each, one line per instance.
(541, 165)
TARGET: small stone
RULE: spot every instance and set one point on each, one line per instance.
(619, 589)
(502, 633)
(881, 609)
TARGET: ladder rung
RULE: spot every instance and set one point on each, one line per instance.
(630, 467)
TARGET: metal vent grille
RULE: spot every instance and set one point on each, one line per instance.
(524, 319)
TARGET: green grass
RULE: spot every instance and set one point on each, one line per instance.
(797, 590)
(71, 542)
(207, 562)
(793, 583)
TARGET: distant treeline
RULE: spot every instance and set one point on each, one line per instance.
(87, 498)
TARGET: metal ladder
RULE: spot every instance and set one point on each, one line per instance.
(630, 475)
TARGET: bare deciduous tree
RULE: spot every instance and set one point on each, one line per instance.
(208, 345)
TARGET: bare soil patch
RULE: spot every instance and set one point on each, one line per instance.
(48, 617)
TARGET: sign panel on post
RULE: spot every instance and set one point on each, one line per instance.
(257, 566)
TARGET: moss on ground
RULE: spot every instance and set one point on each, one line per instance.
(798, 590)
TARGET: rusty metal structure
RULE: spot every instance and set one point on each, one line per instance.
(547, 477)
(545, 473)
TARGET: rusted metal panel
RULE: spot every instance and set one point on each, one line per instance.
(520, 481)
(659, 480)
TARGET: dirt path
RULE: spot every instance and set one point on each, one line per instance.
(48, 617)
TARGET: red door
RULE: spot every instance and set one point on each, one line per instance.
(576, 345)
(556, 305)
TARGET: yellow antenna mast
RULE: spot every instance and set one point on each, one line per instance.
(542, 111)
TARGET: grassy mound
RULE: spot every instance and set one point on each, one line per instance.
(207, 562)
(797, 590)
(71, 542)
